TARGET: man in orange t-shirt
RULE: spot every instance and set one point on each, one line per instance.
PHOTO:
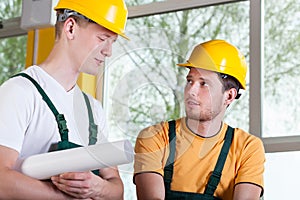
(199, 156)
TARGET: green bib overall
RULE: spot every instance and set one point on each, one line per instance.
(214, 178)
(62, 123)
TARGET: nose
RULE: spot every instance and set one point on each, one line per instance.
(193, 89)
(107, 49)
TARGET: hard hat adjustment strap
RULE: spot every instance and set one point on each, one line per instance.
(67, 13)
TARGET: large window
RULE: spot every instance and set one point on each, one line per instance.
(281, 68)
(143, 84)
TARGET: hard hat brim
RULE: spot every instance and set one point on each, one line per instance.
(186, 64)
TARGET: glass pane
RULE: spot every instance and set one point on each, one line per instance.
(10, 9)
(281, 68)
(143, 84)
(12, 56)
(282, 175)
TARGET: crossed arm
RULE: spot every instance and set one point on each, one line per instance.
(85, 185)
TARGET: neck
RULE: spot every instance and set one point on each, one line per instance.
(61, 69)
(204, 128)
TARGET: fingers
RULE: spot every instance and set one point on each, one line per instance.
(74, 191)
(75, 175)
(76, 184)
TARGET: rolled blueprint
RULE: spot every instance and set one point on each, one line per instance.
(81, 159)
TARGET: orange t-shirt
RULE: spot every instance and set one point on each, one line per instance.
(196, 157)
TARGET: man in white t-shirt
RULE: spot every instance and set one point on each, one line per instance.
(85, 32)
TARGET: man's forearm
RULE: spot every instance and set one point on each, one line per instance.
(111, 189)
(15, 185)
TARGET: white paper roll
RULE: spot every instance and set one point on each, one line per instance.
(81, 159)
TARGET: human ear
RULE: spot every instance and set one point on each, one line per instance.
(69, 28)
(230, 95)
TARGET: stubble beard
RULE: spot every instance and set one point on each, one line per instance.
(201, 115)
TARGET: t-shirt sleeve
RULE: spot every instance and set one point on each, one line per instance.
(15, 104)
(252, 161)
(151, 149)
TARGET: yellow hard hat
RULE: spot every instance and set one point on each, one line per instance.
(219, 56)
(111, 14)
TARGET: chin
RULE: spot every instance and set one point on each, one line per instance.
(92, 71)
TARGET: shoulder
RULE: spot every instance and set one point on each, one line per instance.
(157, 134)
(157, 130)
(18, 87)
(161, 128)
(17, 82)
(247, 144)
(153, 137)
(245, 137)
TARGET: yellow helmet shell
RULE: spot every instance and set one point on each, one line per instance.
(219, 56)
(110, 14)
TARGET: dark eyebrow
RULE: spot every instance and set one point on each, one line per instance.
(201, 78)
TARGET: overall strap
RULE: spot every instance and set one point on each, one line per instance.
(60, 119)
(215, 177)
(93, 128)
(168, 170)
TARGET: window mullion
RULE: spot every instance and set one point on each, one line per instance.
(256, 60)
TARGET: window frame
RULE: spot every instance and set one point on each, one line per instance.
(11, 28)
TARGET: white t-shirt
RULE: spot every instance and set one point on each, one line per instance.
(28, 125)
